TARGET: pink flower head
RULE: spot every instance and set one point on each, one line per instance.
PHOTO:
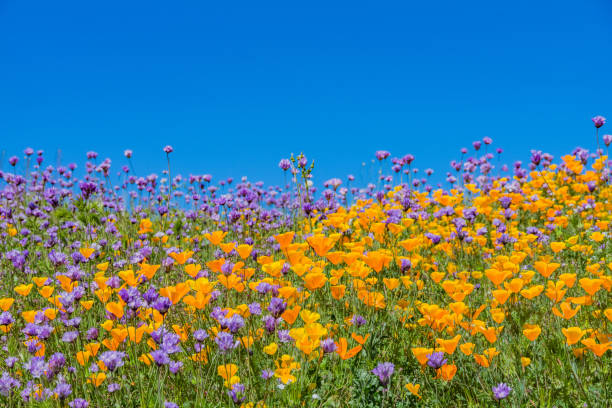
(284, 164)
(599, 121)
(382, 154)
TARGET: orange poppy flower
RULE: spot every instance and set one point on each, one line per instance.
(215, 237)
(87, 252)
(244, 250)
(175, 293)
(284, 240)
(360, 339)
(341, 349)
(447, 372)
(531, 331)
(573, 334)
(546, 269)
(181, 257)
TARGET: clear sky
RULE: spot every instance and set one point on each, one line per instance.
(236, 86)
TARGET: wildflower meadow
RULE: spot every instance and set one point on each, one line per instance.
(492, 288)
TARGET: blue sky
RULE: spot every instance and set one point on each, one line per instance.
(235, 86)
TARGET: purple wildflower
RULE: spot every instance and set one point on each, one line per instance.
(277, 306)
(92, 334)
(175, 366)
(112, 359)
(70, 336)
(200, 335)
(225, 341)
(255, 308)
(328, 345)
(63, 390)
(8, 384)
(6, 318)
(78, 403)
(436, 359)
(237, 393)
(501, 391)
(384, 371)
(36, 366)
(283, 336)
(160, 357)
(162, 304)
(11, 361)
(358, 320)
(267, 374)
(112, 387)
(270, 323)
